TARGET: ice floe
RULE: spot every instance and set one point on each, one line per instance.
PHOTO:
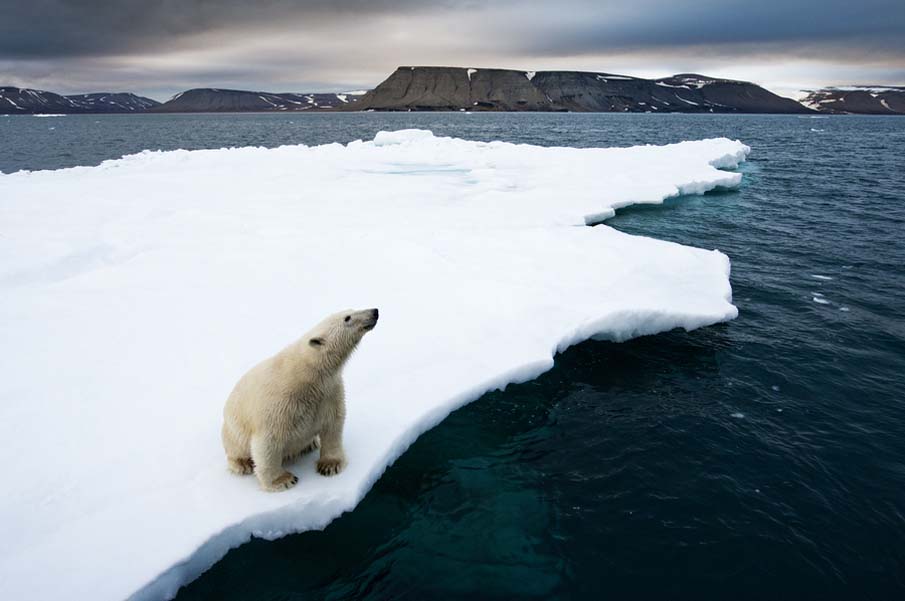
(134, 294)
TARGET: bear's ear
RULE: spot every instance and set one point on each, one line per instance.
(316, 342)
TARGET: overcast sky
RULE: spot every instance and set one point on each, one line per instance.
(160, 47)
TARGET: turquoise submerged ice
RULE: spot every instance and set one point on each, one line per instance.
(135, 293)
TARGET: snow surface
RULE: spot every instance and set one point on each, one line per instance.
(878, 89)
(267, 101)
(134, 294)
(686, 101)
(666, 85)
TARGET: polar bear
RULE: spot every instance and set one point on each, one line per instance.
(293, 403)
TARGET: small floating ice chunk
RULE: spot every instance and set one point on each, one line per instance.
(820, 300)
(391, 138)
(817, 276)
(846, 309)
(775, 388)
(737, 415)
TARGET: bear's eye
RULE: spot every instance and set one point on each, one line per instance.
(348, 317)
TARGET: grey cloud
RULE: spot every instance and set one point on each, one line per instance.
(331, 44)
(870, 26)
(67, 28)
(49, 28)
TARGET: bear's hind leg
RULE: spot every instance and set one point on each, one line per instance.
(304, 450)
(314, 445)
(297, 452)
(268, 462)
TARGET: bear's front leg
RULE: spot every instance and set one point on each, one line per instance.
(333, 458)
(268, 459)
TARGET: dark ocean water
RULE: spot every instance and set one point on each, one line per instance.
(763, 458)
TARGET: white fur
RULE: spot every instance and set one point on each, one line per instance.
(294, 402)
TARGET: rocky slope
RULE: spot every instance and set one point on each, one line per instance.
(462, 89)
(865, 100)
(24, 101)
(113, 102)
(215, 100)
(456, 88)
(15, 101)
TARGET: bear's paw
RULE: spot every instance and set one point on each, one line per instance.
(330, 467)
(284, 481)
(242, 467)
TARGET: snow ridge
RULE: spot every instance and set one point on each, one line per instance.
(149, 284)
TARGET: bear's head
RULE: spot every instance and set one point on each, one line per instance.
(333, 340)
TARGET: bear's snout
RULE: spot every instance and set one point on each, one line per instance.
(374, 314)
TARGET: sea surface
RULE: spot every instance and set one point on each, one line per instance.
(759, 459)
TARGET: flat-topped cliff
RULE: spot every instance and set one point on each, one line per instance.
(459, 88)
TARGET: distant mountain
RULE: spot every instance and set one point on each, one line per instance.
(25, 101)
(22, 100)
(865, 100)
(458, 88)
(214, 100)
(113, 102)
(462, 89)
